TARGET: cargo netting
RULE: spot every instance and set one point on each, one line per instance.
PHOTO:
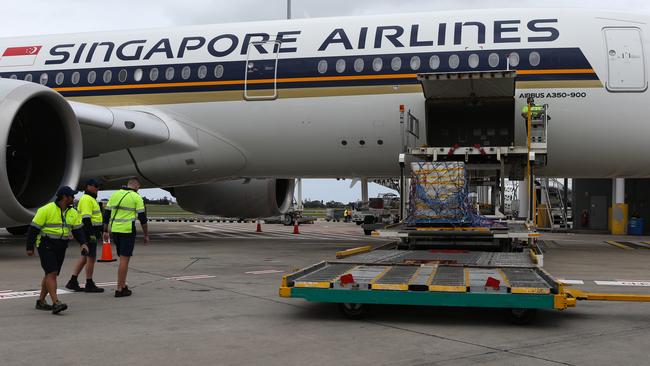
(439, 195)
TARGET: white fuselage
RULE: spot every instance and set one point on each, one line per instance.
(324, 106)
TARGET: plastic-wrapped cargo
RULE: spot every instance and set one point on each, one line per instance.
(439, 194)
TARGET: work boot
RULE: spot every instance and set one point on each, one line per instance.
(125, 292)
(91, 287)
(43, 305)
(58, 307)
(73, 285)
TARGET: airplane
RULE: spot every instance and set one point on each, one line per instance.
(226, 116)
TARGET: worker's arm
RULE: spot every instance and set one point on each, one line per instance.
(142, 217)
(34, 229)
(78, 230)
(107, 219)
(32, 233)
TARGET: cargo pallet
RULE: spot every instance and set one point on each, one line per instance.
(361, 277)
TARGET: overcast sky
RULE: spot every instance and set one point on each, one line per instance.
(30, 17)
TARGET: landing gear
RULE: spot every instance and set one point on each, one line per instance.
(354, 311)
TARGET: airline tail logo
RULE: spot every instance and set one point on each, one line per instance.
(20, 56)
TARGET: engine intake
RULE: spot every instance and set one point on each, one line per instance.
(257, 198)
(43, 148)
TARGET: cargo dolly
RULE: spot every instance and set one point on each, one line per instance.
(362, 277)
(445, 253)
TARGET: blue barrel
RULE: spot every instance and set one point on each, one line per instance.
(635, 226)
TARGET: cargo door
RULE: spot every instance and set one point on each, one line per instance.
(261, 74)
(625, 60)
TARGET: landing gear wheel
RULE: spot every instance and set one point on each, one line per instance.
(367, 232)
(358, 223)
(354, 311)
(521, 316)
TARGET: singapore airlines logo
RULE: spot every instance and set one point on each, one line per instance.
(19, 56)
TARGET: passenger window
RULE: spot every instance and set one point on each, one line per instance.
(202, 72)
(396, 63)
(322, 66)
(415, 63)
(473, 60)
(108, 76)
(76, 77)
(44, 78)
(29, 77)
(513, 59)
(186, 73)
(434, 62)
(122, 76)
(218, 71)
(169, 73)
(377, 64)
(454, 61)
(92, 77)
(153, 74)
(358, 65)
(493, 60)
(340, 66)
(137, 75)
(534, 58)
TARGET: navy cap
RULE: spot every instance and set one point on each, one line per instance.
(92, 182)
(66, 191)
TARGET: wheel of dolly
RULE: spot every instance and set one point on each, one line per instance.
(367, 232)
(522, 316)
(354, 311)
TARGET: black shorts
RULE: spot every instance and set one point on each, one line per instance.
(52, 254)
(92, 244)
(124, 244)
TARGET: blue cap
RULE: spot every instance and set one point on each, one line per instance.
(92, 182)
(66, 191)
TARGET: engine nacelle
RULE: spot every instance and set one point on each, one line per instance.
(256, 198)
(41, 148)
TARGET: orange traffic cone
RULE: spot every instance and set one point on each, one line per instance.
(259, 227)
(295, 227)
(107, 253)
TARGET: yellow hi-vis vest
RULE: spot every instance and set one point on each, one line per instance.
(125, 205)
(54, 223)
(535, 110)
(88, 207)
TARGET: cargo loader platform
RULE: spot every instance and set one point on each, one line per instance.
(454, 278)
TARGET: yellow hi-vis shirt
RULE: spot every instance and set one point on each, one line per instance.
(125, 205)
(54, 223)
(88, 207)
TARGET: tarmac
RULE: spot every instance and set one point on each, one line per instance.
(206, 294)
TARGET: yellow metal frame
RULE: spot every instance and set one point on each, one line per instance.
(353, 251)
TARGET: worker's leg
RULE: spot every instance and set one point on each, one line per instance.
(90, 267)
(122, 271)
(79, 266)
(50, 283)
(41, 297)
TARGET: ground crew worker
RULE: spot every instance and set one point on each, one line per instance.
(91, 216)
(345, 215)
(119, 220)
(50, 232)
(536, 110)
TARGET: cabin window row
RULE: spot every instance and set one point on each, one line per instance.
(434, 62)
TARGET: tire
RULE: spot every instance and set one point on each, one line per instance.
(358, 223)
(18, 230)
(287, 220)
(367, 231)
(354, 311)
(522, 316)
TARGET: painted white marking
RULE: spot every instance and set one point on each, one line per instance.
(186, 278)
(5, 291)
(624, 283)
(572, 282)
(23, 294)
(268, 271)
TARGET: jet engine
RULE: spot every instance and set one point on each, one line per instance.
(255, 198)
(41, 148)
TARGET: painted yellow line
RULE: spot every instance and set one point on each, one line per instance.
(506, 281)
(353, 251)
(392, 287)
(377, 277)
(618, 245)
(312, 284)
(529, 290)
